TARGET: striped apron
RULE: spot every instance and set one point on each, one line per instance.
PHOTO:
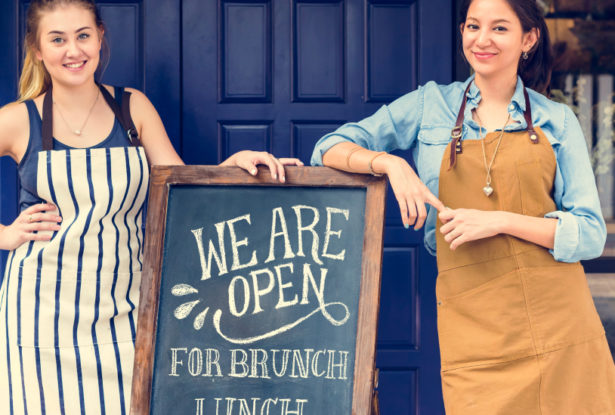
(68, 307)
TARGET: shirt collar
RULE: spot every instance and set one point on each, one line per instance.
(474, 97)
(516, 108)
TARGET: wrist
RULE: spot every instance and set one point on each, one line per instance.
(504, 222)
(382, 164)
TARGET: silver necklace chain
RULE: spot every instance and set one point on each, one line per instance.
(80, 130)
(488, 190)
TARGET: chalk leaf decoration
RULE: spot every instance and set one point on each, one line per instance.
(183, 310)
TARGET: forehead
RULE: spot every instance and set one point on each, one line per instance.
(491, 10)
(68, 18)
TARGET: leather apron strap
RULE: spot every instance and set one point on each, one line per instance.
(122, 114)
(457, 131)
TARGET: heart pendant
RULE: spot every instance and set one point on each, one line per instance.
(488, 190)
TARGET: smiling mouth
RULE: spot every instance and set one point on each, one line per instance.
(76, 65)
(483, 55)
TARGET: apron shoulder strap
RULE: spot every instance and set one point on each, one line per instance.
(528, 118)
(122, 113)
(457, 131)
(47, 128)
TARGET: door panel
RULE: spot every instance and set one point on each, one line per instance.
(276, 75)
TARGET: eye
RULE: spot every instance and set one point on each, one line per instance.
(83, 36)
(500, 29)
(472, 26)
(57, 40)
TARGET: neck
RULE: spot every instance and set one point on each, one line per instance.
(80, 96)
(497, 89)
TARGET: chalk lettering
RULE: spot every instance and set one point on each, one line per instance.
(299, 363)
(242, 363)
(288, 252)
(195, 362)
(300, 229)
(256, 362)
(258, 292)
(232, 303)
(235, 244)
(199, 406)
(219, 258)
(174, 361)
(329, 232)
(281, 286)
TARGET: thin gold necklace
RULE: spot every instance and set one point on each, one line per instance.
(80, 130)
(488, 190)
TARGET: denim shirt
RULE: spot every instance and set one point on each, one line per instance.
(422, 121)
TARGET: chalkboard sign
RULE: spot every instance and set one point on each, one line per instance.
(259, 298)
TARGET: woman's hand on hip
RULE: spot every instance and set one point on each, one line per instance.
(29, 224)
(465, 225)
(410, 192)
(249, 160)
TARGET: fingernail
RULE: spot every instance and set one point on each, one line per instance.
(58, 219)
(253, 172)
(275, 176)
(406, 225)
(283, 178)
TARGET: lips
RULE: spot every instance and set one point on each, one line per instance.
(483, 55)
(74, 66)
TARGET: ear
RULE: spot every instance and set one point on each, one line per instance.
(530, 39)
(461, 26)
(101, 34)
(38, 55)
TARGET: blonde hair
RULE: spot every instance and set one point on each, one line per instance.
(35, 79)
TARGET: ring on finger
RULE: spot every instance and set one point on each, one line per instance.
(29, 218)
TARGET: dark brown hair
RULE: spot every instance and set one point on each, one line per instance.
(535, 71)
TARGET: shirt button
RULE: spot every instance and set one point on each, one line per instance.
(511, 107)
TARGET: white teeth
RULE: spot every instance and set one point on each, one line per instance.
(74, 65)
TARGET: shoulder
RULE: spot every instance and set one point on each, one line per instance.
(433, 99)
(14, 129)
(554, 118)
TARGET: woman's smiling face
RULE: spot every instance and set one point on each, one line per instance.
(69, 44)
(493, 39)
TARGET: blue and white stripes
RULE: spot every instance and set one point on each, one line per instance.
(68, 306)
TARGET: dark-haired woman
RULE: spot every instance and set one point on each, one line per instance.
(69, 297)
(514, 207)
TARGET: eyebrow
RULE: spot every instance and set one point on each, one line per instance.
(58, 32)
(494, 22)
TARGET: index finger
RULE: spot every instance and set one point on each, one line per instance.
(435, 202)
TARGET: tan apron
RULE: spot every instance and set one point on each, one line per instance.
(519, 332)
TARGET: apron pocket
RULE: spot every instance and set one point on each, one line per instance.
(487, 324)
(561, 306)
(84, 309)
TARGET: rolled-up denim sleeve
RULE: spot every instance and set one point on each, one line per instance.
(394, 126)
(581, 231)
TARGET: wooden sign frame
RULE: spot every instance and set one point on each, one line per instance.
(163, 177)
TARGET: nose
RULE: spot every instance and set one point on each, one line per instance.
(484, 38)
(72, 49)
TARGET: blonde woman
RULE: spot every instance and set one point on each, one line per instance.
(69, 297)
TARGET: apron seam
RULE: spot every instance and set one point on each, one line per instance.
(521, 357)
(511, 254)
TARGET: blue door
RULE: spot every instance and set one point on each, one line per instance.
(276, 75)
